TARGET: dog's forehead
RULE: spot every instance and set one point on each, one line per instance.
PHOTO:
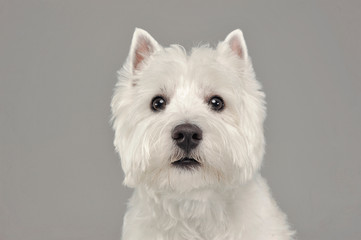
(202, 70)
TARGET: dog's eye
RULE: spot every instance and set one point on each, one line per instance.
(158, 103)
(216, 103)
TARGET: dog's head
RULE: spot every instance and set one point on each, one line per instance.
(188, 121)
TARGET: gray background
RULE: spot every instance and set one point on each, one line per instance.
(59, 175)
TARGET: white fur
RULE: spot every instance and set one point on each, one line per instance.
(225, 198)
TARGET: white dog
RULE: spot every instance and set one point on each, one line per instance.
(189, 132)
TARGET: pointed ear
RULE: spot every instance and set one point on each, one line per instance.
(142, 47)
(237, 44)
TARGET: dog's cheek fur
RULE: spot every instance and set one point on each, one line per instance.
(138, 139)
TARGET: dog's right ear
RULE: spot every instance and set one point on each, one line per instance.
(142, 47)
(236, 43)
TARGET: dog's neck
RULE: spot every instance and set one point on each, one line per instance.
(200, 203)
(206, 212)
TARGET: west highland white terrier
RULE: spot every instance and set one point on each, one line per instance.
(189, 132)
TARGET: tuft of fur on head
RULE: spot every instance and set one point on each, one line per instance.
(232, 147)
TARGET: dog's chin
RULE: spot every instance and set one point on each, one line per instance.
(186, 163)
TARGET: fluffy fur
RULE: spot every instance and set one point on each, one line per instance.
(224, 198)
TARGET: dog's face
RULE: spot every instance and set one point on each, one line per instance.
(186, 122)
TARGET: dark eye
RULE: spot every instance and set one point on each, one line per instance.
(158, 103)
(216, 103)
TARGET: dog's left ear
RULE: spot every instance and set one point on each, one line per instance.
(235, 41)
(142, 47)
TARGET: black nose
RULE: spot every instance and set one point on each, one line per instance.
(187, 136)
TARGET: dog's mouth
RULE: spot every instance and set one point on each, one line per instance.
(186, 163)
